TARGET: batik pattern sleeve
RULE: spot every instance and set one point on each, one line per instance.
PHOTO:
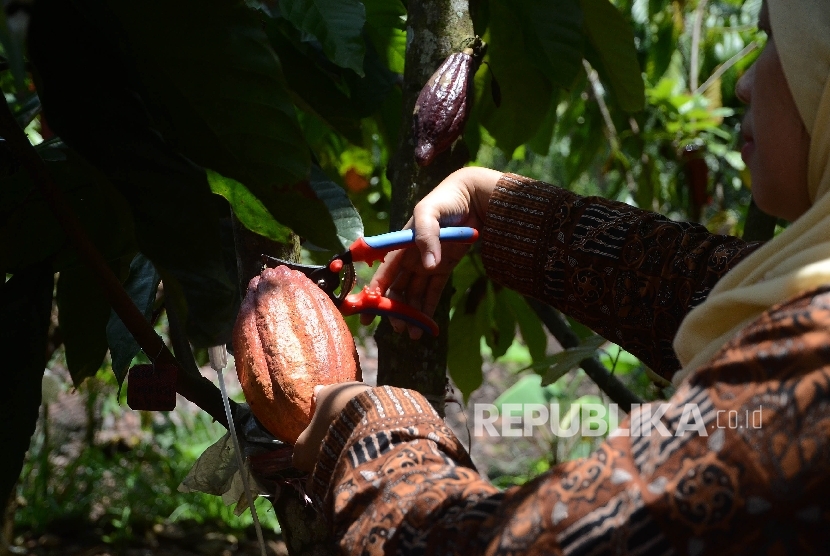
(738, 462)
(630, 275)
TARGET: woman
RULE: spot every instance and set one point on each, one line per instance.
(392, 478)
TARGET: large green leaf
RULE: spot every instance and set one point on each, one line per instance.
(504, 319)
(613, 53)
(29, 232)
(216, 90)
(141, 286)
(530, 326)
(337, 24)
(464, 354)
(345, 216)
(553, 37)
(315, 89)
(525, 90)
(556, 366)
(175, 213)
(386, 28)
(247, 208)
(25, 309)
(83, 314)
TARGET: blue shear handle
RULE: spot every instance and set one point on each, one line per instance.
(404, 238)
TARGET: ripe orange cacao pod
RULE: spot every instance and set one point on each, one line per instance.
(288, 338)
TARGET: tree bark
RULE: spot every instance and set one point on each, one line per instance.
(435, 29)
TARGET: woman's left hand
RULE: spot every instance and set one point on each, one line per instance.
(327, 404)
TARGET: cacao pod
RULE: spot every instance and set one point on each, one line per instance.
(442, 106)
(288, 338)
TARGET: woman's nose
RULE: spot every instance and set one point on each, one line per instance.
(743, 88)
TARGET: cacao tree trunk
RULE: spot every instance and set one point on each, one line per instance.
(304, 531)
(435, 29)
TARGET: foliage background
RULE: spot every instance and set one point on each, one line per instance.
(158, 127)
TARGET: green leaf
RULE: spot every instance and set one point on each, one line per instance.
(505, 324)
(533, 333)
(29, 232)
(175, 213)
(337, 24)
(315, 89)
(141, 286)
(526, 91)
(345, 217)
(466, 272)
(540, 143)
(559, 364)
(618, 361)
(613, 53)
(240, 121)
(247, 208)
(528, 390)
(464, 354)
(553, 37)
(385, 27)
(83, 314)
(25, 311)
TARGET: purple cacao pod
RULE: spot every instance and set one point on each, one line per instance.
(442, 106)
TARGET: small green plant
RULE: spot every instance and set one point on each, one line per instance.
(126, 485)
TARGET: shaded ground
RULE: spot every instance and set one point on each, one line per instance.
(494, 456)
(181, 539)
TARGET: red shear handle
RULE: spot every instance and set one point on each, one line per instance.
(373, 302)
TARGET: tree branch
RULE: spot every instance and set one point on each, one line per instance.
(200, 390)
(606, 382)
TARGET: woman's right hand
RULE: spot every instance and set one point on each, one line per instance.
(418, 276)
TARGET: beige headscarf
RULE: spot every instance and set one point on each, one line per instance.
(798, 259)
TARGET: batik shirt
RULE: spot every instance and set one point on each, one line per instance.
(737, 462)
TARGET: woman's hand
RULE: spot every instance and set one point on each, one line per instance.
(327, 404)
(418, 276)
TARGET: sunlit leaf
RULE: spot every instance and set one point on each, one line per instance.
(385, 26)
(343, 214)
(247, 208)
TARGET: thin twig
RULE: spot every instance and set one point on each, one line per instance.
(200, 390)
(608, 383)
(613, 136)
(724, 67)
(694, 62)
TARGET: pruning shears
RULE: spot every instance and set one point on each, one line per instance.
(337, 277)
